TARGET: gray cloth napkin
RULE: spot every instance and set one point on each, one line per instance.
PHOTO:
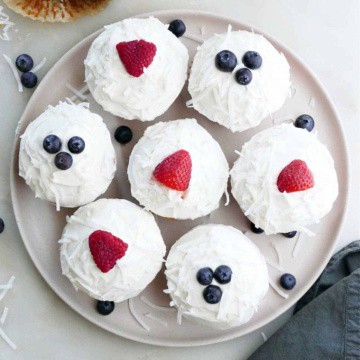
(326, 324)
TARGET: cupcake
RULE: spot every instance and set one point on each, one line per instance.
(238, 79)
(111, 249)
(136, 68)
(66, 156)
(284, 179)
(216, 276)
(177, 170)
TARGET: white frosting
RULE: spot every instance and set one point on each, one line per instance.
(209, 174)
(254, 179)
(144, 97)
(212, 246)
(218, 96)
(133, 272)
(92, 170)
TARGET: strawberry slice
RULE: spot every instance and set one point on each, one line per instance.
(136, 55)
(106, 249)
(175, 171)
(295, 177)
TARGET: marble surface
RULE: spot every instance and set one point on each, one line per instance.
(325, 33)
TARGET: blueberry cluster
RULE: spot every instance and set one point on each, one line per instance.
(212, 293)
(63, 160)
(25, 63)
(226, 61)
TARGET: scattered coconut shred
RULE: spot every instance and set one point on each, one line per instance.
(14, 70)
(5, 288)
(136, 316)
(5, 25)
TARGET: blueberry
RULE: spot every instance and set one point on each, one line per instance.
(52, 144)
(212, 294)
(305, 122)
(252, 60)
(287, 281)
(223, 274)
(177, 27)
(205, 276)
(24, 63)
(123, 134)
(225, 61)
(29, 79)
(76, 145)
(256, 230)
(63, 160)
(243, 76)
(290, 234)
(2, 225)
(105, 307)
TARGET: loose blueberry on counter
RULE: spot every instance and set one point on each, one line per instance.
(223, 274)
(76, 145)
(24, 63)
(252, 60)
(287, 281)
(290, 234)
(243, 76)
(29, 79)
(255, 230)
(212, 294)
(105, 307)
(305, 122)
(225, 61)
(205, 276)
(177, 27)
(63, 160)
(52, 144)
(123, 134)
(2, 225)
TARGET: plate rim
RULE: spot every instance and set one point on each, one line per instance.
(224, 336)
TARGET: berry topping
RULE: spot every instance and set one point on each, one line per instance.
(24, 63)
(63, 161)
(223, 274)
(76, 145)
(106, 249)
(205, 276)
(177, 27)
(252, 60)
(175, 171)
(225, 61)
(243, 76)
(256, 230)
(212, 294)
(123, 134)
(287, 281)
(305, 122)
(2, 225)
(29, 79)
(136, 55)
(295, 177)
(290, 234)
(105, 307)
(52, 144)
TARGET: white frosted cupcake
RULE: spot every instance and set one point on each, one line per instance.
(136, 68)
(111, 249)
(178, 170)
(66, 156)
(216, 276)
(238, 79)
(284, 179)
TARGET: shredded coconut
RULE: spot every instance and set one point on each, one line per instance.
(202, 30)
(274, 245)
(155, 318)
(153, 306)
(194, 38)
(297, 245)
(276, 289)
(9, 286)
(76, 92)
(7, 340)
(312, 102)
(275, 266)
(5, 25)
(4, 315)
(14, 71)
(227, 202)
(39, 65)
(136, 317)
(264, 336)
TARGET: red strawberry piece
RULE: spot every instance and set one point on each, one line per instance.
(175, 171)
(106, 249)
(136, 55)
(295, 177)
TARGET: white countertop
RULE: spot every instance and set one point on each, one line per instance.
(325, 33)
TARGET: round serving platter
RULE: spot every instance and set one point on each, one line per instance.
(148, 318)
